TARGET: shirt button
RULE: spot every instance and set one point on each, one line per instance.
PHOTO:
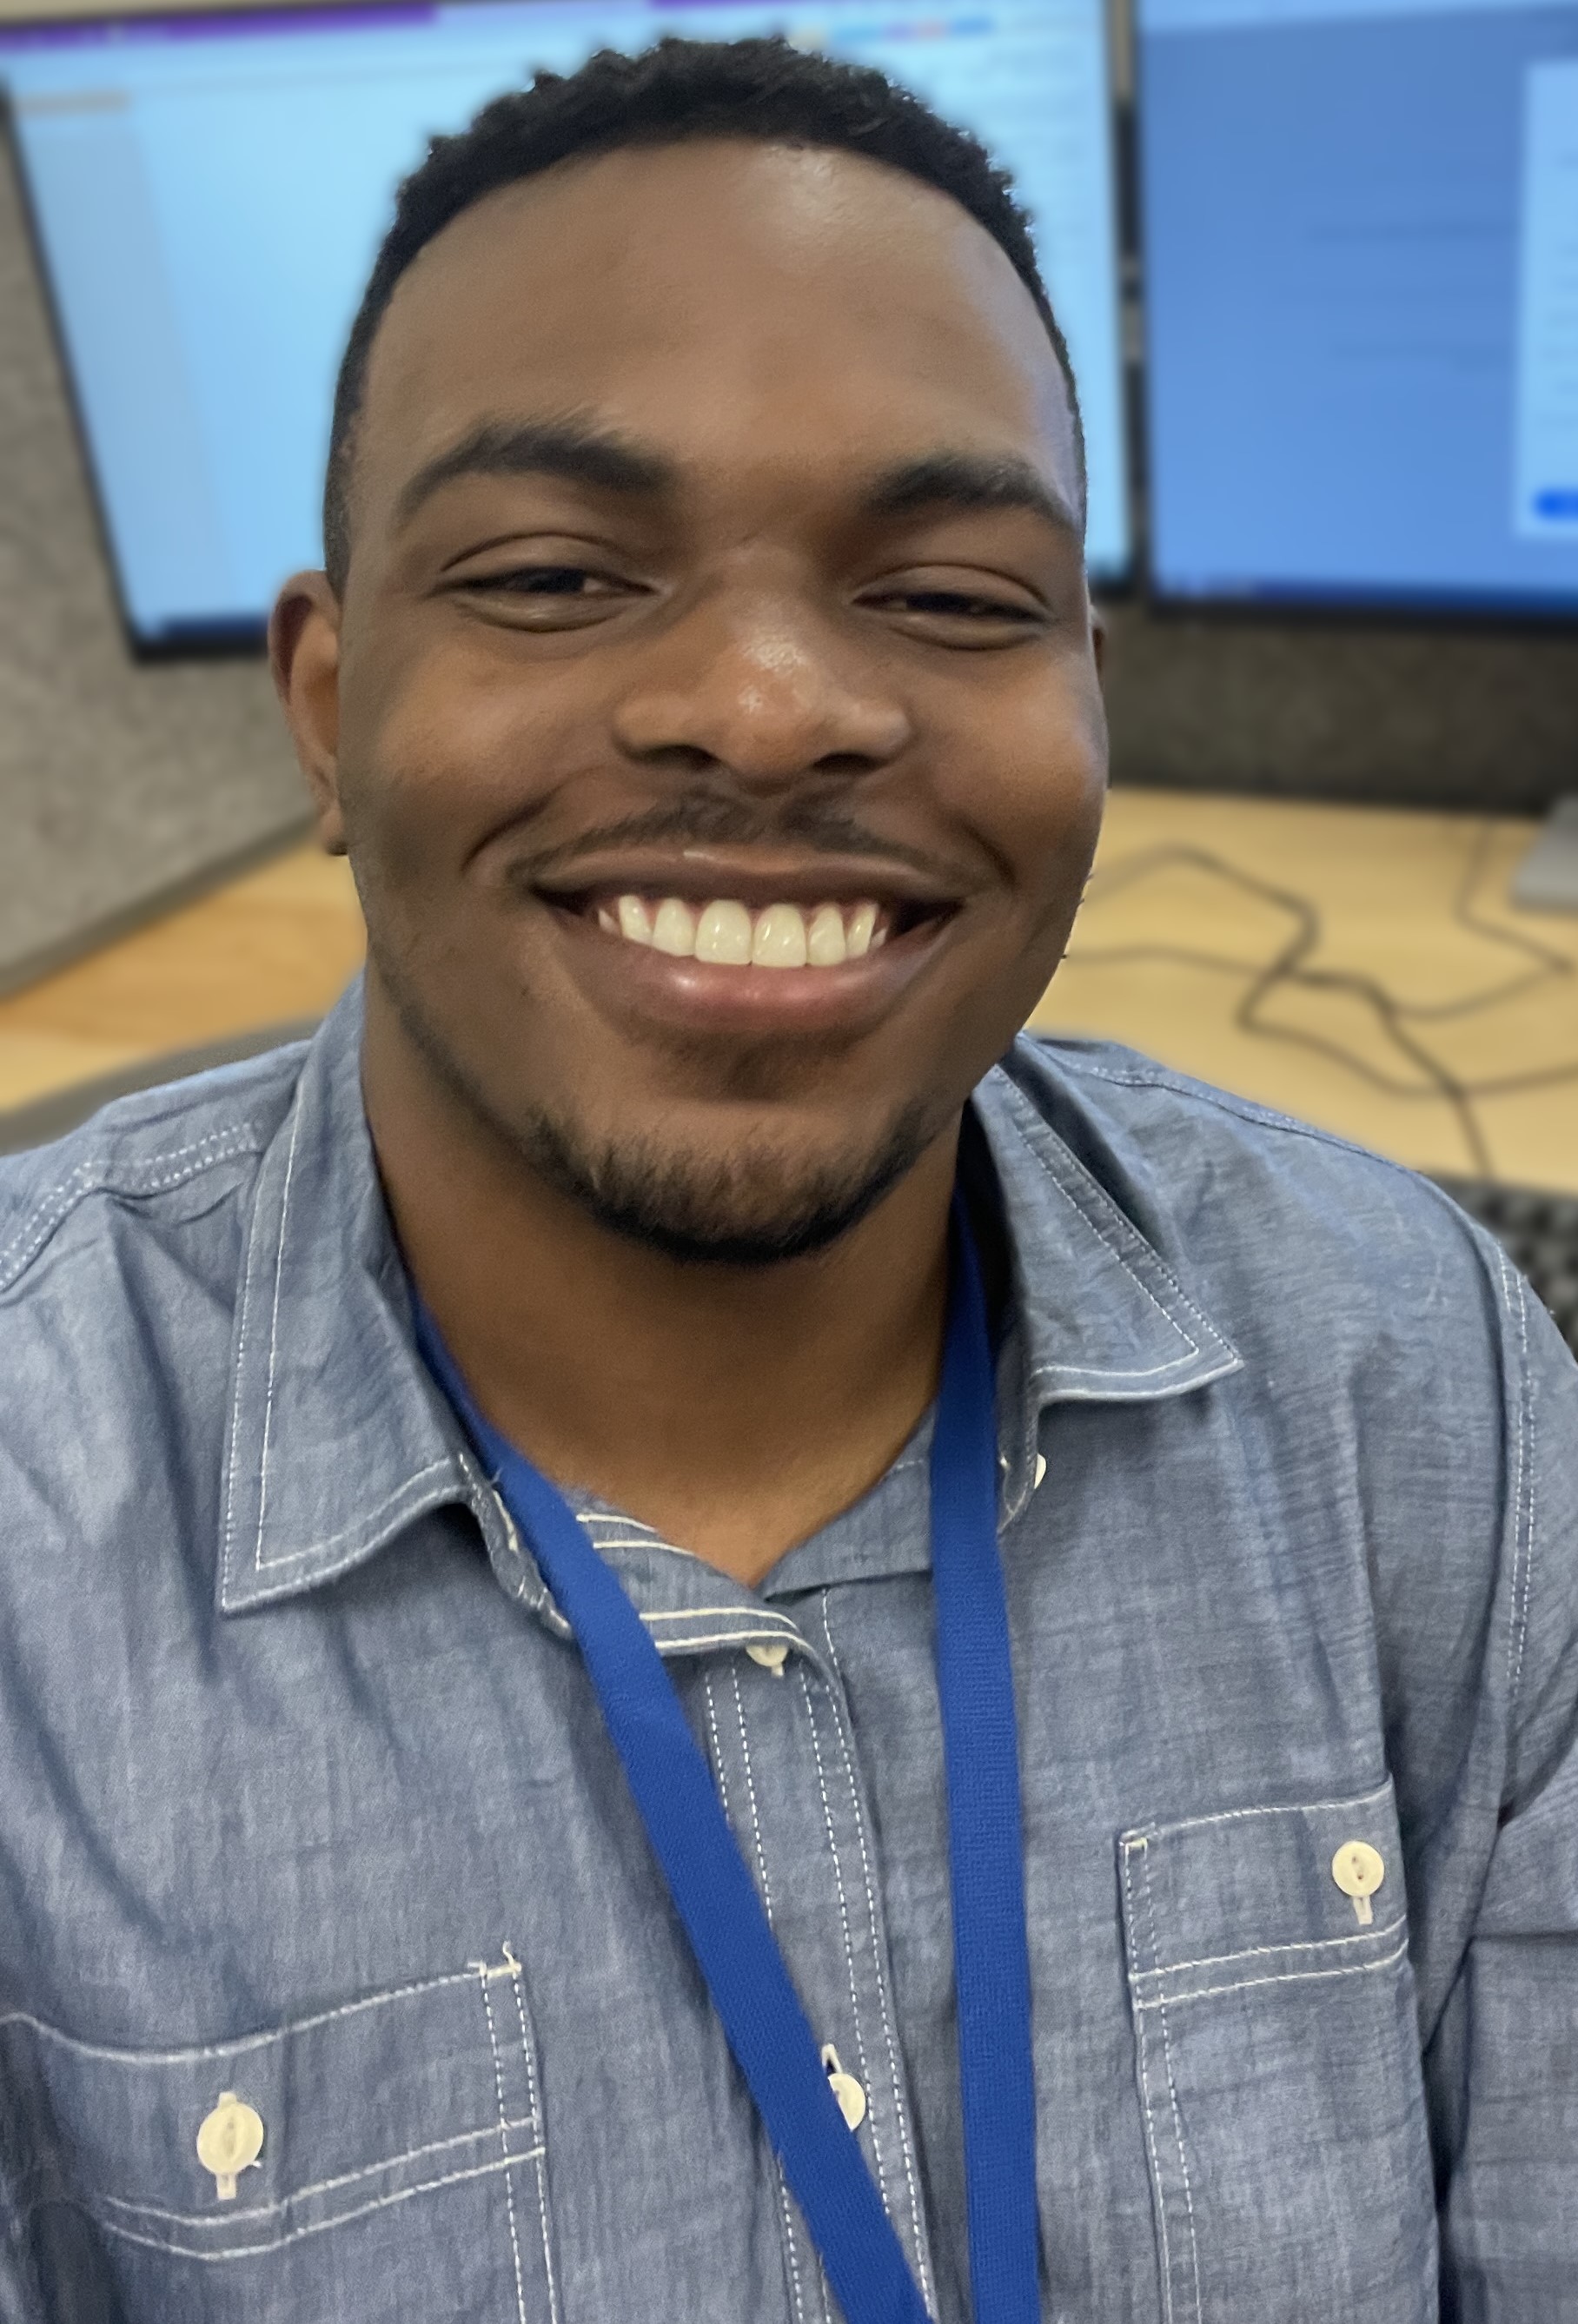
(1359, 1870)
(771, 1655)
(229, 2139)
(851, 2098)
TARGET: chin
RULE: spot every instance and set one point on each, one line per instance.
(757, 1203)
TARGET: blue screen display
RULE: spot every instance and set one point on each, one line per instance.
(208, 194)
(1360, 254)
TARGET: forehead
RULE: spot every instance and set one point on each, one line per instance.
(734, 304)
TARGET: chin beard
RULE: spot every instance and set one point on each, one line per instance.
(752, 1207)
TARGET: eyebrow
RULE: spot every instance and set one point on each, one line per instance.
(585, 455)
(569, 448)
(969, 480)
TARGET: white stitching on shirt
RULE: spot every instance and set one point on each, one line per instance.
(1292, 1977)
(262, 1465)
(312, 2228)
(196, 2220)
(721, 1781)
(540, 2157)
(129, 1184)
(243, 1328)
(926, 2289)
(743, 1637)
(1167, 2052)
(1522, 1500)
(751, 1792)
(1236, 1815)
(757, 1614)
(363, 1527)
(1250, 1953)
(796, 2291)
(848, 1942)
(1131, 1848)
(505, 2144)
(195, 2055)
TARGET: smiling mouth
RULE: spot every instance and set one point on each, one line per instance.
(728, 933)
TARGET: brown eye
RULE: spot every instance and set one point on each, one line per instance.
(957, 616)
(955, 604)
(544, 581)
(551, 594)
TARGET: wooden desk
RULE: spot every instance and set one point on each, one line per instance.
(278, 943)
(282, 942)
(1384, 884)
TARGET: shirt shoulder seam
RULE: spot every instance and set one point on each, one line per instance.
(118, 1176)
(1243, 1110)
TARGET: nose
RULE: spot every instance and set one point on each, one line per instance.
(763, 691)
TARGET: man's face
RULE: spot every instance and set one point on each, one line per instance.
(709, 596)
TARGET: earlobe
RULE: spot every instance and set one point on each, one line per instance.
(304, 652)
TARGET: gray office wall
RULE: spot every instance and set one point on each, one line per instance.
(122, 787)
(1442, 717)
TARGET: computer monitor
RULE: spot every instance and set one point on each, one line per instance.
(1360, 226)
(208, 193)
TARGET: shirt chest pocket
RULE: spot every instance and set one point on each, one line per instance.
(1278, 2058)
(389, 2157)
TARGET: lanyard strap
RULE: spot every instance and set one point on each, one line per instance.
(715, 1897)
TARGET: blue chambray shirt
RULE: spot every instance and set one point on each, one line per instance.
(306, 1807)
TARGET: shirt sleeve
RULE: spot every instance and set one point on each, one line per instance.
(1503, 2068)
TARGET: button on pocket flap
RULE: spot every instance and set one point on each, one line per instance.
(233, 2147)
(1220, 1900)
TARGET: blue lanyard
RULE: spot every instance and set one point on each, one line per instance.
(716, 1900)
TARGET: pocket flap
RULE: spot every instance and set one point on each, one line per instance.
(388, 2097)
(1217, 1902)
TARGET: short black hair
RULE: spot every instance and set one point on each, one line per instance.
(675, 93)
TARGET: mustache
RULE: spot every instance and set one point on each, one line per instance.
(708, 820)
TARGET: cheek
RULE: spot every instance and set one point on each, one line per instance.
(443, 753)
(1037, 796)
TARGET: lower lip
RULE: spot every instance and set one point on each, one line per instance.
(699, 997)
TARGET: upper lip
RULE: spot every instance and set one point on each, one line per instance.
(701, 875)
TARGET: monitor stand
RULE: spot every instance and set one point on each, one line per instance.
(1546, 881)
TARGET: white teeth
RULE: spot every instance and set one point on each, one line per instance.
(635, 922)
(674, 929)
(862, 923)
(723, 934)
(781, 938)
(727, 933)
(825, 945)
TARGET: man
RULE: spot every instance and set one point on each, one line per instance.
(704, 687)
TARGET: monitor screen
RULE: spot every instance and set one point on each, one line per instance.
(1360, 257)
(208, 193)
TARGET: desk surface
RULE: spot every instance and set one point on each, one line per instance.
(1405, 926)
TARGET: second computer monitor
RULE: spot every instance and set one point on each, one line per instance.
(1360, 263)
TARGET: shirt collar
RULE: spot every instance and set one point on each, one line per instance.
(337, 1438)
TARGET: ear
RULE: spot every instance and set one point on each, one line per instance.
(1098, 639)
(304, 656)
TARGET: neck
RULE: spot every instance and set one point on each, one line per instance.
(733, 1409)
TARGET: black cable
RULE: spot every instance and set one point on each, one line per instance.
(1290, 965)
